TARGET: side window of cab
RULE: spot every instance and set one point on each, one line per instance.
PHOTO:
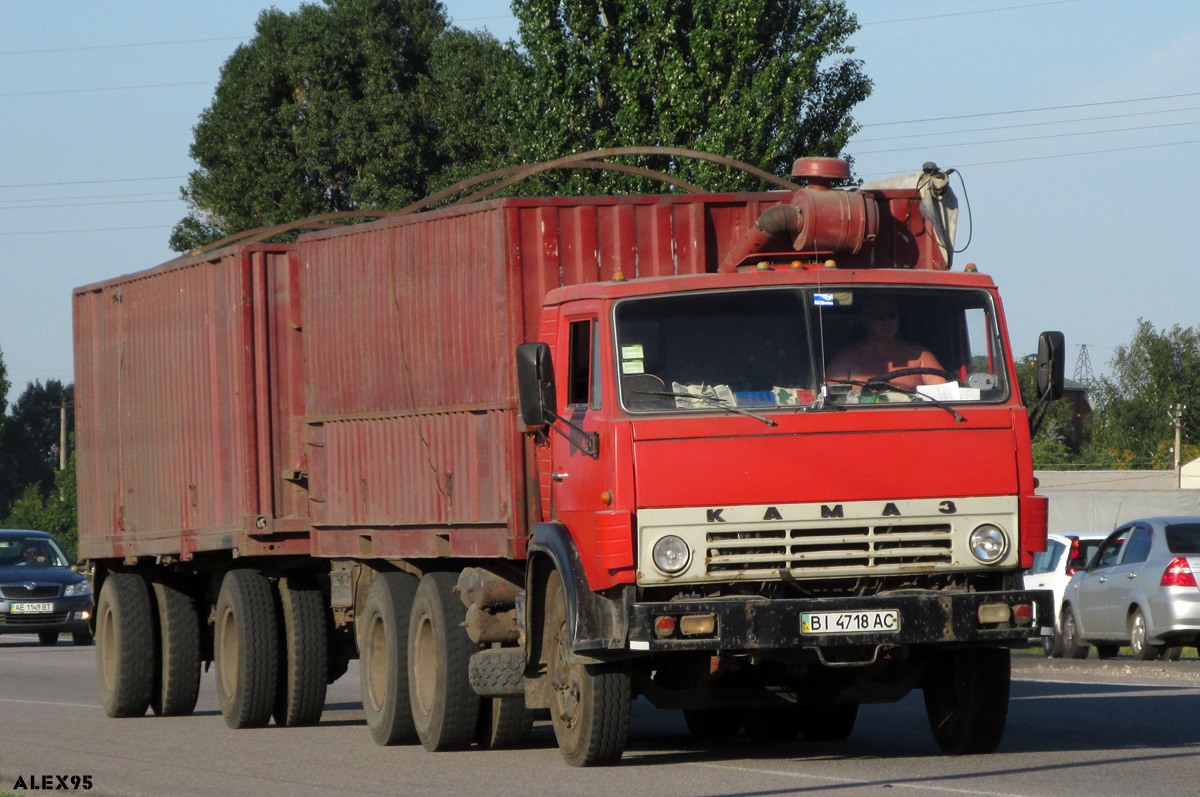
(583, 367)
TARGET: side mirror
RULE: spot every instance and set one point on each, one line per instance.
(1050, 363)
(535, 384)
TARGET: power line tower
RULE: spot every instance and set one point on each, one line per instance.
(1083, 368)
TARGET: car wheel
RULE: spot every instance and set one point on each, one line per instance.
(1139, 636)
(1073, 646)
(1052, 646)
(48, 637)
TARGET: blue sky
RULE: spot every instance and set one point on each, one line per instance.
(1083, 213)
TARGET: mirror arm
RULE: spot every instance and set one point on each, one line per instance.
(589, 444)
(1038, 414)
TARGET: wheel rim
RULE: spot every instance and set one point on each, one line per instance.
(376, 650)
(1137, 636)
(425, 665)
(1069, 631)
(229, 651)
(565, 680)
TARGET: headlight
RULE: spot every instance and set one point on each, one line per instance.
(671, 554)
(82, 588)
(988, 543)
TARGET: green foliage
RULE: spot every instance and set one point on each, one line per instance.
(762, 81)
(1148, 377)
(357, 104)
(52, 510)
(29, 439)
(1054, 444)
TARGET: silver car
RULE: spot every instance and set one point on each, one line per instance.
(1138, 590)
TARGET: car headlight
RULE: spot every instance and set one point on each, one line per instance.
(671, 554)
(988, 543)
(80, 588)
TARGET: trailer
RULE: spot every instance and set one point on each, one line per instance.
(540, 456)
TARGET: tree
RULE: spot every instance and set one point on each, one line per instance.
(53, 510)
(762, 81)
(1054, 444)
(29, 440)
(1148, 377)
(358, 104)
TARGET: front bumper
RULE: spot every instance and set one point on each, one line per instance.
(67, 615)
(926, 617)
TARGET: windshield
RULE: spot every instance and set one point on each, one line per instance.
(31, 552)
(807, 348)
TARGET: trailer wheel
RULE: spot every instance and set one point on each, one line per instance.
(966, 699)
(713, 723)
(591, 703)
(125, 645)
(177, 678)
(246, 649)
(504, 723)
(828, 723)
(445, 709)
(303, 659)
(383, 659)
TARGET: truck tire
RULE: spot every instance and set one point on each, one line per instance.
(47, 638)
(590, 703)
(498, 672)
(303, 658)
(125, 645)
(1073, 647)
(504, 723)
(445, 709)
(246, 649)
(177, 679)
(772, 724)
(383, 659)
(828, 723)
(713, 723)
(966, 699)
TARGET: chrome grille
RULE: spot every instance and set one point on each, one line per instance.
(841, 548)
(21, 592)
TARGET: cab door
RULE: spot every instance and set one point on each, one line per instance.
(578, 479)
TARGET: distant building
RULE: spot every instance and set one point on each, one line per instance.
(1076, 394)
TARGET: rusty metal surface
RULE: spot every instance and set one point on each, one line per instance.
(172, 436)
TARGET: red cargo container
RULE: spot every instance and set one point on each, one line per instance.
(295, 455)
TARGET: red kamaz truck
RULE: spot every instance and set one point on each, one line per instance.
(759, 457)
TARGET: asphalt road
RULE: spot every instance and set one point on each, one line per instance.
(1081, 728)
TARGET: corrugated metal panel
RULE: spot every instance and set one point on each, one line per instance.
(168, 441)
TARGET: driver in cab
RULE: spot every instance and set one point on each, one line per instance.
(880, 352)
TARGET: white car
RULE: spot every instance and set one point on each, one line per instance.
(1052, 569)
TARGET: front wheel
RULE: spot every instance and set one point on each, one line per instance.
(47, 637)
(828, 723)
(591, 703)
(966, 699)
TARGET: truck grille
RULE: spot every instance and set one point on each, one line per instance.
(844, 549)
(20, 592)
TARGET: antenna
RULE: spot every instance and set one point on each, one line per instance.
(1083, 368)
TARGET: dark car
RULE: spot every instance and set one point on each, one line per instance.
(40, 592)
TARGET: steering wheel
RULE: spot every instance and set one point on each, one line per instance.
(890, 375)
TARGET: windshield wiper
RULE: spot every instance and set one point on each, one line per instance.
(876, 382)
(712, 400)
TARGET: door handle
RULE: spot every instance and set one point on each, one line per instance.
(1131, 575)
(1103, 580)
(559, 476)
